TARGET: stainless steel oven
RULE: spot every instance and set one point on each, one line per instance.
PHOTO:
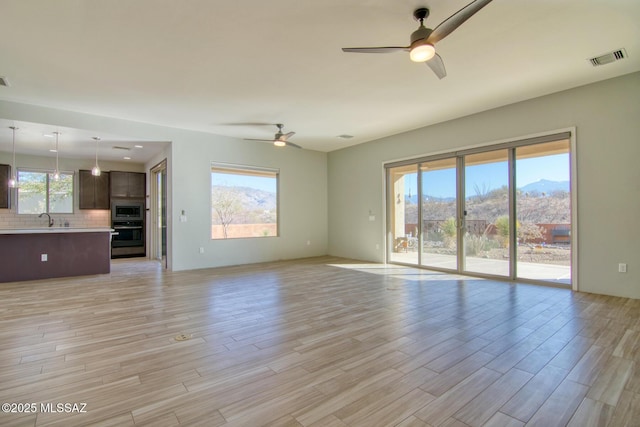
(127, 234)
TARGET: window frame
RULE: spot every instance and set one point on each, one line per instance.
(48, 177)
(249, 170)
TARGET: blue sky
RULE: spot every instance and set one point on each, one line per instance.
(442, 183)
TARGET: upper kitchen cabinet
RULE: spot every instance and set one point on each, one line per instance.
(128, 185)
(5, 175)
(94, 190)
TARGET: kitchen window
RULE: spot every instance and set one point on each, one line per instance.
(39, 192)
(244, 201)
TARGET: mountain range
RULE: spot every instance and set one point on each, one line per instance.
(541, 186)
(545, 186)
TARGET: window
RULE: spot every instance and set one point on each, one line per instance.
(38, 192)
(244, 201)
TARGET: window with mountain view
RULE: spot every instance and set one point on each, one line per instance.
(244, 201)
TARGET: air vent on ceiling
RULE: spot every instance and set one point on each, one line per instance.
(608, 58)
(4, 82)
(116, 147)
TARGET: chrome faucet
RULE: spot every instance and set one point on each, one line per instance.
(49, 216)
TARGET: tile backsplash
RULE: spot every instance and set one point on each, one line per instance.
(80, 218)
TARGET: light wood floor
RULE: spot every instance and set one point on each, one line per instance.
(310, 343)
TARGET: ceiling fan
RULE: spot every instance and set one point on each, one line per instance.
(423, 40)
(280, 139)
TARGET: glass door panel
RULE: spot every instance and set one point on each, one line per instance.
(486, 213)
(439, 213)
(543, 212)
(403, 214)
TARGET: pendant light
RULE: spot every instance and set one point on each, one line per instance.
(96, 169)
(13, 182)
(56, 174)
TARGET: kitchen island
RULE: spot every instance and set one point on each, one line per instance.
(44, 253)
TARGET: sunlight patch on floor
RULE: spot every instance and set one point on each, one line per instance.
(400, 272)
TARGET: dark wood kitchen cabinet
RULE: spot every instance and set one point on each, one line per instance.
(94, 190)
(5, 193)
(128, 185)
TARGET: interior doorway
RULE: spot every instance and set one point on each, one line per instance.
(159, 213)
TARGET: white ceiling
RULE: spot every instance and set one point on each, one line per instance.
(214, 65)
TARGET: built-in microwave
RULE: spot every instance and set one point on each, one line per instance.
(124, 210)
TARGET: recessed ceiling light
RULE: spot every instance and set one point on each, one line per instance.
(127, 158)
(53, 150)
(48, 135)
(138, 146)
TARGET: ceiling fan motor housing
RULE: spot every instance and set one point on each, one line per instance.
(420, 34)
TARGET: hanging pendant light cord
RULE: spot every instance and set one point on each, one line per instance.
(13, 180)
(57, 172)
(13, 165)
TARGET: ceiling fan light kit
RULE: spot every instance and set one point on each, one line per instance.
(422, 52)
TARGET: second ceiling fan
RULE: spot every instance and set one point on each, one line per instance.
(280, 139)
(423, 40)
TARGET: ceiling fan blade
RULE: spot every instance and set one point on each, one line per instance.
(245, 124)
(388, 49)
(287, 135)
(437, 66)
(292, 144)
(254, 139)
(447, 26)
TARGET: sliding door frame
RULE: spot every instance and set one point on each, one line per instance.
(511, 144)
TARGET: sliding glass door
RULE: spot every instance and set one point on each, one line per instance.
(502, 211)
(486, 213)
(543, 211)
(438, 183)
(402, 193)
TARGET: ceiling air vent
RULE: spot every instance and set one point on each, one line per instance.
(117, 147)
(4, 82)
(608, 58)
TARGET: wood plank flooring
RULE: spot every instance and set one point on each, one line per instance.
(314, 342)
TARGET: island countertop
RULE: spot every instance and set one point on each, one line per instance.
(41, 230)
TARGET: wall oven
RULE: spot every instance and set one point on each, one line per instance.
(127, 221)
(127, 234)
